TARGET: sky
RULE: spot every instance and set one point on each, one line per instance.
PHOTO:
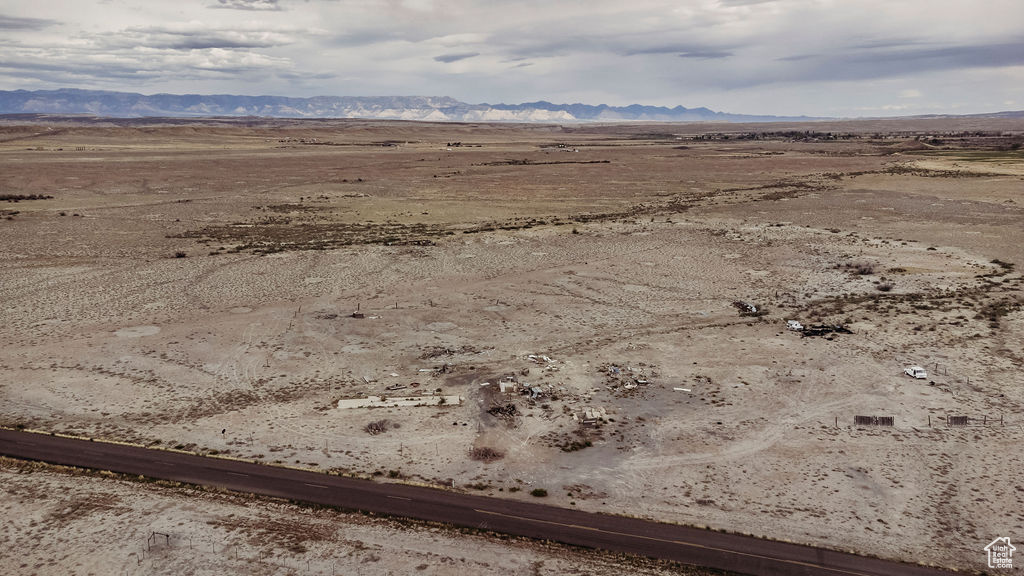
(836, 58)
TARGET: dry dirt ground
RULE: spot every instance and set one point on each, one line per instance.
(191, 284)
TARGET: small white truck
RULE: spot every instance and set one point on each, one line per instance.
(916, 372)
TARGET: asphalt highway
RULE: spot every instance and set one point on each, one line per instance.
(742, 554)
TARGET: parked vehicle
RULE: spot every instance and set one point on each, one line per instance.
(916, 372)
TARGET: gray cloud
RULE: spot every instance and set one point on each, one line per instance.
(71, 71)
(12, 23)
(706, 54)
(781, 56)
(247, 4)
(891, 60)
(448, 58)
(98, 62)
(307, 76)
(683, 50)
(377, 35)
(192, 36)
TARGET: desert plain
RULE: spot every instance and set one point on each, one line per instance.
(603, 309)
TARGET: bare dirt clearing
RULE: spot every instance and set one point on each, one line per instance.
(194, 286)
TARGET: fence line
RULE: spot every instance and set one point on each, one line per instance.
(162, 546)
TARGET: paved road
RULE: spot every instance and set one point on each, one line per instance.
(683, 544)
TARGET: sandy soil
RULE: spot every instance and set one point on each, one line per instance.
(621, 262)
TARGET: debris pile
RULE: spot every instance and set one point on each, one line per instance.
(749, 309)
(506, 411)
(547, 363)
(438, 351)
(627, 377)
(823, 329)
(592, 415)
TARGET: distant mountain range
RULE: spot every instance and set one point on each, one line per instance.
(425, 108)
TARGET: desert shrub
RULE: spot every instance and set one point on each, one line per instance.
(885, 286)
(377, 427)
(538, 493)
(860, 268)
(486, 454)
(20, 197)
(575, 445)
(180, 255)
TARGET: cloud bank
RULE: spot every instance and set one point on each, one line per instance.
(816, 57)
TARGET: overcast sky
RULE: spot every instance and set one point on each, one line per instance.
(785, 57)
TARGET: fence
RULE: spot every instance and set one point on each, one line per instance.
(969, 421)
(951, 421)
(168, 549)
(873, 421)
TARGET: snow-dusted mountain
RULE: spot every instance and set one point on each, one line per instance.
(426, 108)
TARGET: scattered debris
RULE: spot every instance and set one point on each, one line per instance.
(822, 329)
(677, 389)
(627, 377)
(385, 402)
(794, 325)
(745, 307)
(438, 351)
(505, 410)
